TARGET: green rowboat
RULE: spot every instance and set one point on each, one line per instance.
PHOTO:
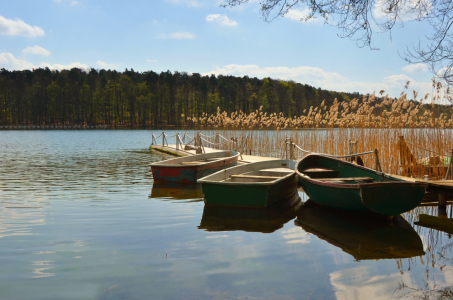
(345, 186)
(251, 185)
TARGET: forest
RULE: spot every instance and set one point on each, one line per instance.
(147, 99)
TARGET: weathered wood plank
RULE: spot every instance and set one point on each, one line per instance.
(347, 179)
(255, 176)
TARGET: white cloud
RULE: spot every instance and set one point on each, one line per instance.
(18, 27)
(296, 235)
(300, 15)
(317, 77)
(36, 50)
(105, 65)
(151, 61)
(356, 283)
(9, 62)
(222, 19)
(74, 3)
(65, 67)
(416, 68)
(177, 35)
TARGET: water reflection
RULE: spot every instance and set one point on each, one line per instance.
(169, 190)
(265, 220)
(361, 238)
(441, 222)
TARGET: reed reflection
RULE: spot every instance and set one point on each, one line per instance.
(265, 220)
(178, 191)
(363, 238)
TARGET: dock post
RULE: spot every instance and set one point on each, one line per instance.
(217, 141)
(291, 149)
(286, 147)
(177, 141)
(378, 164)
(450, 169)
(163, 139)
(442, 202)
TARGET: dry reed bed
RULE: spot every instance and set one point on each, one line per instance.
(375, 123)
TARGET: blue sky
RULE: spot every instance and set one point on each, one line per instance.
(200, 36)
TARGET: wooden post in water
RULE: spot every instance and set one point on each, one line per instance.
(450, 168)
(376, 157)
(442, 201)
(286, 147)
(163, 139)
(291, 149)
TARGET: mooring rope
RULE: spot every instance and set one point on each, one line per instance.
(219, 144)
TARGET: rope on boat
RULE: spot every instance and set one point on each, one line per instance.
(336, 156)
(345, 156)
(306, 151)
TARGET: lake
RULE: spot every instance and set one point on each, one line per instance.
(81, 219)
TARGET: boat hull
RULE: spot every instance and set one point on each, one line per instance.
(259, 191)
(249, 195)
(386, 195)
(188, 174)
(174, 170)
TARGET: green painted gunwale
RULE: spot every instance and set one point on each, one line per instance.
(387, 195)
(249, 194)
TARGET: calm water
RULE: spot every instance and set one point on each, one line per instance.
(81, 219)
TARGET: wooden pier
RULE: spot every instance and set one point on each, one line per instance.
(439, 192)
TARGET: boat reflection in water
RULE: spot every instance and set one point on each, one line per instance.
(264, 219)
(363, 237)
(177, 191)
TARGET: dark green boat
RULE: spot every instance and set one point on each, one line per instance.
(345, 186)
(364, 236)
(257, 184)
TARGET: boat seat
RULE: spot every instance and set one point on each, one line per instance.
(364, 179)
(321, 173)
(214, 159)
(192, 162)
(255, 177)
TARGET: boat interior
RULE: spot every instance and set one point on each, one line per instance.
(332, 170)
(334, 176)
(265, 175)
(198, 159)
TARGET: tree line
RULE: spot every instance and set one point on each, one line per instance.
(145, 99)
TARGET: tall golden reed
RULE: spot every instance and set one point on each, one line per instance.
(374, 122)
